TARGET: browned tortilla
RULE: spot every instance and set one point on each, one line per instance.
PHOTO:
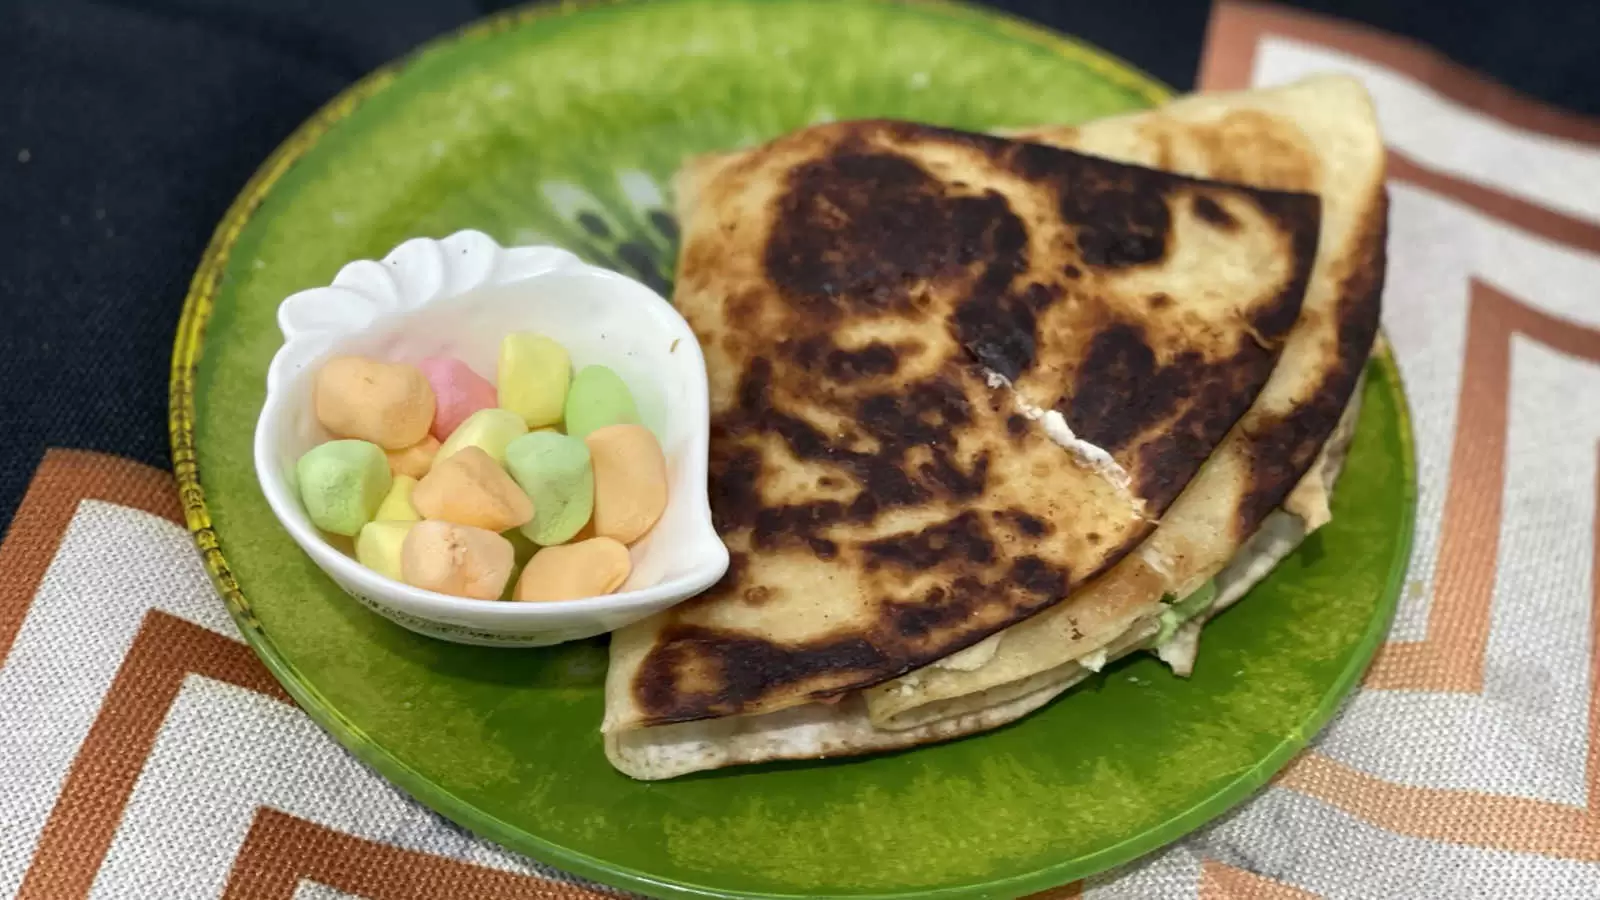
(856, 287)
(1318, 135)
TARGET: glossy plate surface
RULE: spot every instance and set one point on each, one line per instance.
(564, 126)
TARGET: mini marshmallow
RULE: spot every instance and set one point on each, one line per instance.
(470, 488)
(416, 459)
(342, 483)
(598, 397)
(591, 568)
(490, 430)
(378, 546)
(554, 470)
(389, 404)
(630, 481)
(458, 393)
(533, 375)
(456, 559)
(396, 505)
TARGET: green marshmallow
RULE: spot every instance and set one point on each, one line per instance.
(555, 471)
(598, 397)
(342, 483)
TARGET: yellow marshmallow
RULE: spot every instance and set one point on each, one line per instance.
(414, 460)
(589, 568)
(532, 377)
(630, 481)
(469, 488)
(456, 559)
(378, 546)
(491, 430)
(396, 505)
(389, 404)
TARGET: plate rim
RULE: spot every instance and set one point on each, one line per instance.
(199, 303)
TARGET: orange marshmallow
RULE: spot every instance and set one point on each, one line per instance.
(470, 488)
(456, 559)
(414, 460)
(389, 404)
(589, 568)
(630, 481)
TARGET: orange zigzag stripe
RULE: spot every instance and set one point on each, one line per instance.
(281, 849)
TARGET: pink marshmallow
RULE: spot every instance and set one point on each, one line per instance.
(458, 391)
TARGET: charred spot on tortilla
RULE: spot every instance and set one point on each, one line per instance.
(1117, 223)
(995, 325)
(884, 485)
(1036, 576)
(952, 543)
(699, 672)
(940, 607)
(735, 498)
(1173, 412)
(922, 416)
(799, 523)
(1211, 211)
(1024, 522)
(1121, 389)
(917, 414)
(807, 351)
(1206, 420)
(876, 358)
(953, 482)
(856, 231)
(1283, 449)
(1271, 322)
(823, 548)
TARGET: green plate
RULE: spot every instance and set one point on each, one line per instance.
(564, 125)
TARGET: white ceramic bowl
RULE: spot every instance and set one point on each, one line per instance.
(459, 297)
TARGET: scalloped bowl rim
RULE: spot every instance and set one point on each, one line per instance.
(444, 608)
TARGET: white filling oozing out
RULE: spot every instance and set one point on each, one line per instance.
(1095, 661)
(1056, 429)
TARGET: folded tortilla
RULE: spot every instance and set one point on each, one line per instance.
(1318, 135)
(953, 377)
(1315, 137)
(821, 731)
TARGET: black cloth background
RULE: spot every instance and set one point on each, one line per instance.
(127, 128)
